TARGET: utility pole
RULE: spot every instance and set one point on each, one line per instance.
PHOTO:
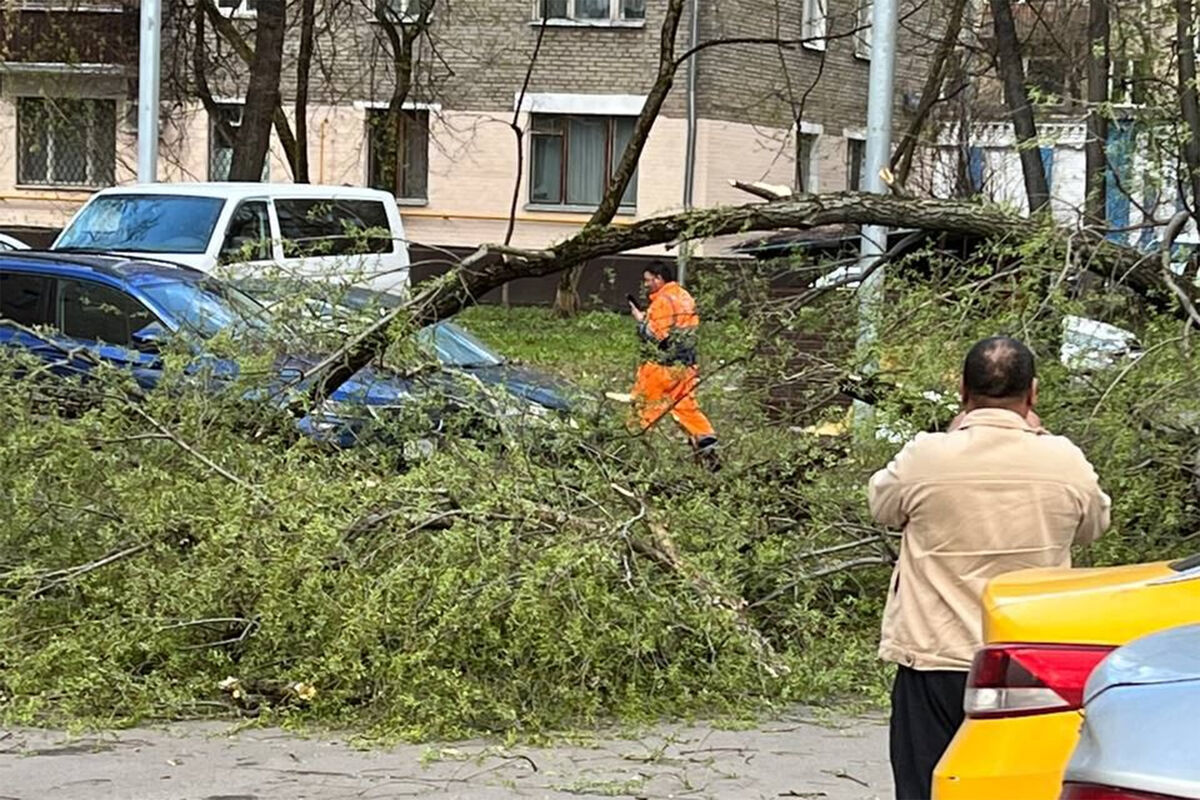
(149, 50)
(879, 146)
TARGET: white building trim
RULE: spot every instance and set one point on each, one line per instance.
(614, 105)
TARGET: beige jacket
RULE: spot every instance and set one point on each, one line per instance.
(991, 497)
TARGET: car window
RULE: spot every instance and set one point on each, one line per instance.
(327, 227)
(144, 223)
(25, 299)
(248, 237)
(98, 313)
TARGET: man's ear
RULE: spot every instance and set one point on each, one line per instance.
(962, 393)
(1033, 393)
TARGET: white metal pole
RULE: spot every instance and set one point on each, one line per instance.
(149, 50)
(879, 146)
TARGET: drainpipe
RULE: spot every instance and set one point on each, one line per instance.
(149, 48)
(689, 166)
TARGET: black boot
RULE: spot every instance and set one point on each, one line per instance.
(706, 453)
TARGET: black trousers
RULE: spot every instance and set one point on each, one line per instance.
(927, 708)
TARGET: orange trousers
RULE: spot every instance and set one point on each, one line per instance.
(661, 388)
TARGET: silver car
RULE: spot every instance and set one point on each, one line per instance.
(1141, 730)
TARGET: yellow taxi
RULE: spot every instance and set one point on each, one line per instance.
(1044, 632)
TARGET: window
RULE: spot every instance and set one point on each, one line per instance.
(411, 180)
(1047, 77)
(856, 164)
(222, 130)
(1130, 81)
(238, 8)
(814, 21)
(249, 235)
(66, 142)
(862, 32)
(976, 162)
(97, 313)
(321, 227)
(573, 159)
(405, 10)
(144, 223)
(25, 299)
(592, 11)
(806, 163)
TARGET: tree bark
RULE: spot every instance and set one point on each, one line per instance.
(262, 97)
(1095, 160)
(1016, 97)
(229, 32)
(1188, 99)
(494, 265)
(402, 33)
(200, 68)
(308, 19)
(903, 157)
(566, 299)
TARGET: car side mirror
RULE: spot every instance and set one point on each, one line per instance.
(150, 338)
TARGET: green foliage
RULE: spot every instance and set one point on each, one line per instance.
(515, 582)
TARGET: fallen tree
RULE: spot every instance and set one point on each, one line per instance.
(493, 265)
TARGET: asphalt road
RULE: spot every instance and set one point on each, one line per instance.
(800, 755)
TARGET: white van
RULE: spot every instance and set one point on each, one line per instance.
(339, 234)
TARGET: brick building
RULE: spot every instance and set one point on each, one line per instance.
(793, 115)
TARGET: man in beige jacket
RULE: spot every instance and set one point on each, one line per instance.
(996, 493)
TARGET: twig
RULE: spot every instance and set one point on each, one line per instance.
(845, 566)
(193, 452)
(75, 572)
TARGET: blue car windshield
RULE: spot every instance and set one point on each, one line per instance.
(206, 308)
(144, 223)
(457, 348)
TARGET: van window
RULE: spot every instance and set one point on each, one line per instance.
(248, 237)
(98, 313)
(325, 227)
(25, 299)
(144, 223)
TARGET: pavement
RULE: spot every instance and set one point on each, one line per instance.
(799, 755)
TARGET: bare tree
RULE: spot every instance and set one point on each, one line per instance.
(566, 301)
(1016, 97)
(402, 28)
(308, 22)
(1189, 101)
(1096, 163)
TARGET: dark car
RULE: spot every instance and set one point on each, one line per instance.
(454, 347)
(77, 312)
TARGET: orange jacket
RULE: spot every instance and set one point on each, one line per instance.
(670, 324)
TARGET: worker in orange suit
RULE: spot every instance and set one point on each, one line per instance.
(667, 378)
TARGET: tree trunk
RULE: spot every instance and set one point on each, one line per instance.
(229, 32)
(903, 157)
(566, 298)
(1095, 161)
(308, 15)
(262, 97)
(1188, 100)
(402, 32)
(1016, 97)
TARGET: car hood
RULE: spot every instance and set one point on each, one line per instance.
(371, 385)
(528, 384)
(1170, 656)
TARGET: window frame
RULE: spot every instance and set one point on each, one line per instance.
(268, 246)
(240, 11)
(59, 299)
(616, 16)
(612, 160)
(864, 25)
(420, 117)
(90, 144)
(213, 131)
(856, 168)
(814, 23)
(807, 178)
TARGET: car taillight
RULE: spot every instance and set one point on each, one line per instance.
(1012, 680)
(1091, 791)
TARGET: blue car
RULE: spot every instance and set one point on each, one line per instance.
(75, 311)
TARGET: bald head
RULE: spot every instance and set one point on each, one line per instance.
(999, 372)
